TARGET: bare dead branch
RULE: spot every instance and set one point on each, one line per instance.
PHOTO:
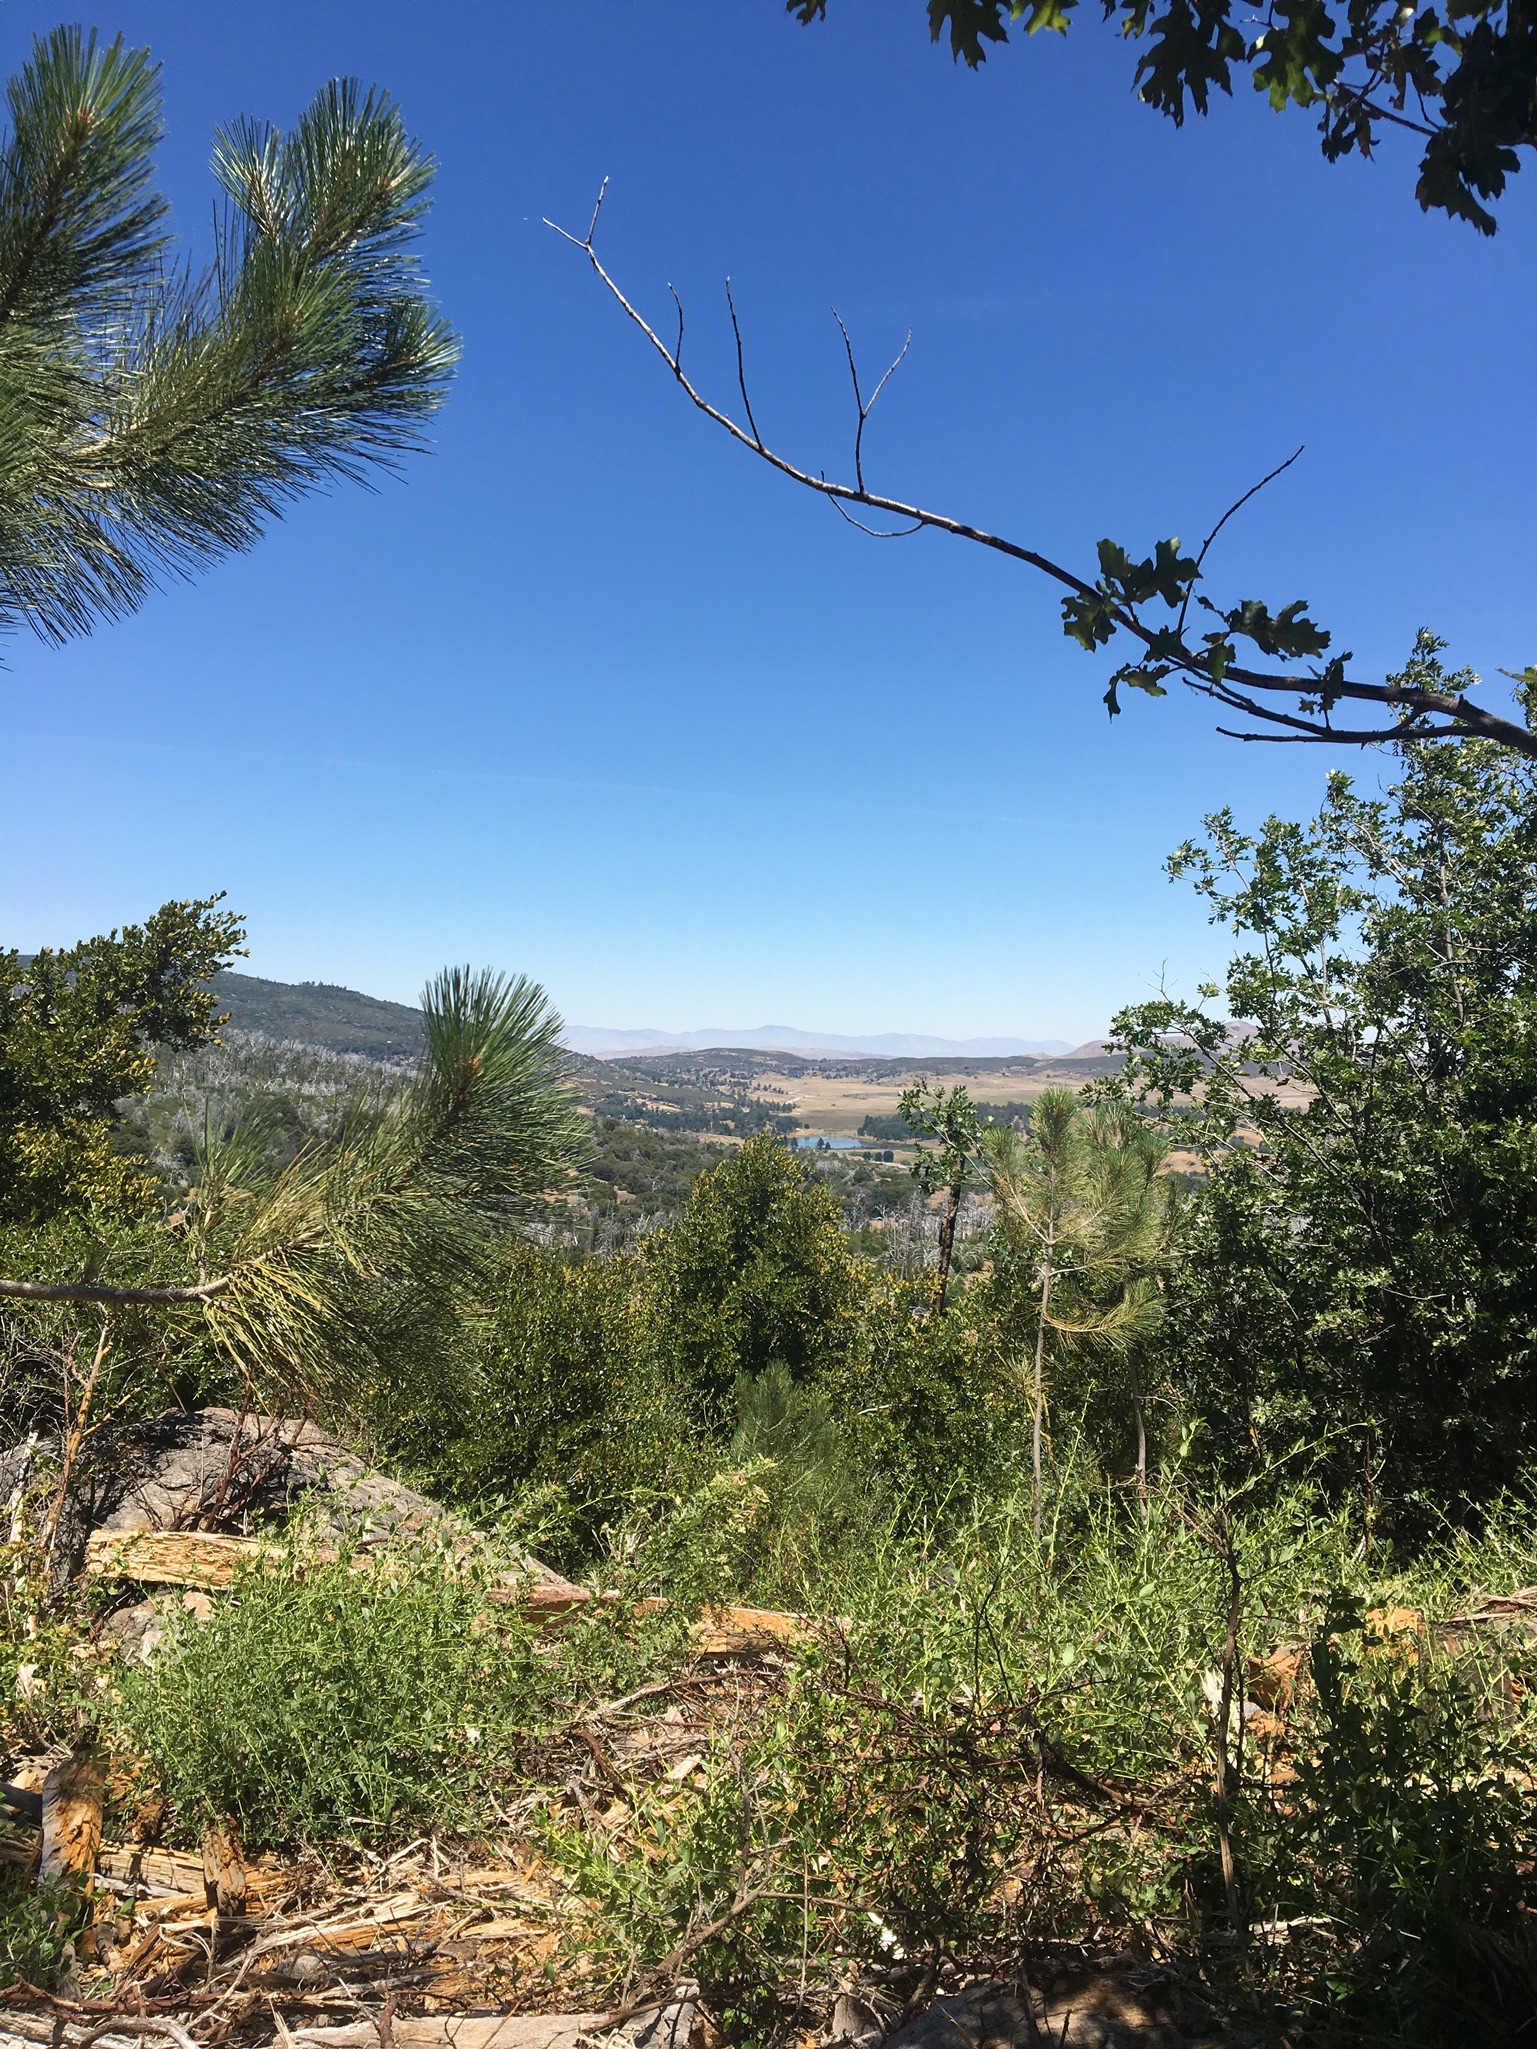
(741, 370)
(865, 409)
(1239, 688)
(876, 533)
(1338, 736)
(859, 404)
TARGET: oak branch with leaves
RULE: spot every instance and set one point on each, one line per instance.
(1461, 76)
(1272, 669)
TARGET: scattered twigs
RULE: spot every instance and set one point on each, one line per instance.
(694, 1940)
(864, 407)
(741, 370)
(137, 2024)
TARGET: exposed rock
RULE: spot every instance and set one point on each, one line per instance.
(15, 1470)
(209, 1469)
(139, 1630)
(213, 1470)
(854, 2022)
(1125, 2005)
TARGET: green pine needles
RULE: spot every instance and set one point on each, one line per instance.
(153, 417)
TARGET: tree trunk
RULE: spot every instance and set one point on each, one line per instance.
(75, 1436)
(1038, 1390)
(947, 1239)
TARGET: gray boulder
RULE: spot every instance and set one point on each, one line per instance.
(211, 1469)
(1125, 2004)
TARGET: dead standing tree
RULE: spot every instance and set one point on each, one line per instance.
(1292, 700)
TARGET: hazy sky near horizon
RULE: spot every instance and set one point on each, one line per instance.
(591, 694)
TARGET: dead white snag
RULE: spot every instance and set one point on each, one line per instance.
(72, 1796)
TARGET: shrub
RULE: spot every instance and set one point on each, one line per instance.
(1413, 1828)
(318, 1700)
(37, 1926)
(565, 1387)
(757, 1269)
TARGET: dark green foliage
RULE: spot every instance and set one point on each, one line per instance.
(1364, 1272)
(819, 1503)
(755, 1270)
(565, 1388)
(948, 1119)
(657, 1170)
(37, 1923)
(889, 1130)
(78, 1031)
(1013, 1112)
(1464, 76)
(154, 419)
(1412, 1808)
(930, 1404)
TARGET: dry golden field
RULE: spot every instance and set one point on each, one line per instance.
(838, 1103)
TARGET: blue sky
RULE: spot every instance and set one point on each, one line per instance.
(592, 695)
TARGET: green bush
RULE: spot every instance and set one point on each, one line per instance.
(1010, 1739)
(37, 1926)
(321, 1701)
(1413, 1827)
(566, 1387)
(756, 1270)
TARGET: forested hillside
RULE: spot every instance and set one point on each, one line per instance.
(320, 1014)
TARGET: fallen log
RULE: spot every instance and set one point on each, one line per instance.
(185, 1558)
(459, 2031)
(196, 1558)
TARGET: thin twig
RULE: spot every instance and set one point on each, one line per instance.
(1237, 506)
(741, 371)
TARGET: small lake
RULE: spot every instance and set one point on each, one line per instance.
(821, 1141)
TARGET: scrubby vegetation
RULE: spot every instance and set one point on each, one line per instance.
(1172, 1564)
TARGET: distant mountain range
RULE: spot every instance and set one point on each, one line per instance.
(345, 1021)
(605, 1044)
